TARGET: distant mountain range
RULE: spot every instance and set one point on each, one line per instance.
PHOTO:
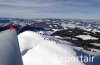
(71, 30)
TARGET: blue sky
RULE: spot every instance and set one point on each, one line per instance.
(75, 9)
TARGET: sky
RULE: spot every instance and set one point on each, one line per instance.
(73, 9)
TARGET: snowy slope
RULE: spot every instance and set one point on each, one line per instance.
(9, 48)
(49, 53)
(45, 52)
(28, 40)
(87, 37)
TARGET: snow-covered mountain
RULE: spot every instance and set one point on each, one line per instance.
(48, 52)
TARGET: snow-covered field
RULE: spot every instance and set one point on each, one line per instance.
(96, 44)
(87, 37)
